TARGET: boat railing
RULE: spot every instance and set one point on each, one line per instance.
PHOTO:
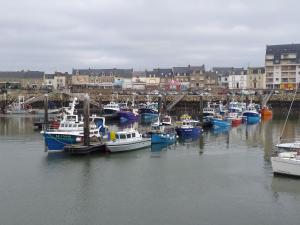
(289, 140)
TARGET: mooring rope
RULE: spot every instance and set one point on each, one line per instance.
(289, 112)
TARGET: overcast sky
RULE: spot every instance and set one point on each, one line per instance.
(58, 35)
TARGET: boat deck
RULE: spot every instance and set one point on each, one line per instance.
(79, 149)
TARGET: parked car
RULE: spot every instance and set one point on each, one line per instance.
(205, 94)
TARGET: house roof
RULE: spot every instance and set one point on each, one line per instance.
(22, 74)
(278, 50)
(226, 71)
(256, 69)
(181, 70)
(159, 72)
(188, 69)
(126, 73)
(138, 74)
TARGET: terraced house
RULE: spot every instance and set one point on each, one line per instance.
(157, 78)
(282, 64)
(184, 75)
(256, 78)
(100, 78)
(21, 79)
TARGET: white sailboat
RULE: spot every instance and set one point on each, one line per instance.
(287, 163)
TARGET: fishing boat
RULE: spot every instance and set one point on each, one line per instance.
(188, 127)
(251, 114)
(236, 107)
(111, 110)
(126, 140)
(149, 110)
(287, 163)
(127, 113)
(70, 131)
(234, 118)
(19, 107)
(208, 113)
(162, 134)
(266, 112)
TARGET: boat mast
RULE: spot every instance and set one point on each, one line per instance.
(288, 112)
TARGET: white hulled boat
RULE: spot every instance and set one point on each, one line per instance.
(127, 140)
(287, 163)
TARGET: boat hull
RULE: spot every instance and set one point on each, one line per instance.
(129, 146)
(285, 166)
(188, 132)
(146, 111)
(56, 142)
(163, 138)
(236, 122)
(127, 116)
(266, 112)
(110, 114)
(253, 119)
(220, 123)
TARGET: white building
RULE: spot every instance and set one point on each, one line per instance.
(230, 77)
(237, 79)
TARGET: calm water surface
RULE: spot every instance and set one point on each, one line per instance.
(222, 178)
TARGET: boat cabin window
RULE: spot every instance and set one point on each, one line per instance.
(74, 125)
(122, 136)
(71, 118)
(62, 125)
(128, 135)
(80, 125)
(133, 135)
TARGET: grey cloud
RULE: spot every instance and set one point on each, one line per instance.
(61, 35)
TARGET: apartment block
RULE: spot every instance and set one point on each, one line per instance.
(282, 63)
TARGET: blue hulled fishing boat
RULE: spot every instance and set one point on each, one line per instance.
(162, 133)
(149, 110)
(70, 131)
(220, 122)
(251, 114)
(188, 127)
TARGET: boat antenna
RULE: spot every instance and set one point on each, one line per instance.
(289, 111)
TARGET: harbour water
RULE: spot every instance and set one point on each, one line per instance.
(225, 177)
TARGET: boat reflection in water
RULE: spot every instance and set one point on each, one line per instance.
(285, 184)
(147, 119)
(220, 130)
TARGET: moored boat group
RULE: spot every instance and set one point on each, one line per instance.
(67, 129)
